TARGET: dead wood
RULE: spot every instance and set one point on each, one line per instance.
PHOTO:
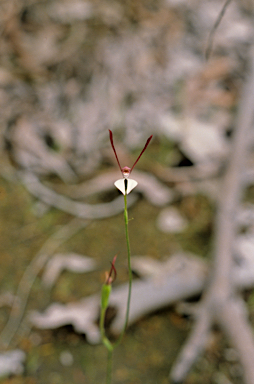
(162, 283)
(81, 210)
(180, 277)
(221, 303)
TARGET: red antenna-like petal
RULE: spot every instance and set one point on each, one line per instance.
(147, 142)
(110, 279)
(112, 145)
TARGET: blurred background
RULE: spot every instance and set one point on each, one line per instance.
(69, 71)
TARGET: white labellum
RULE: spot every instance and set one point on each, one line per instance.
(131, 184)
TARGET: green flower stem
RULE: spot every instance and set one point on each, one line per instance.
(107, 343)
(104, 338)
(129, 260)
(110, 347)
(126, 219)
(129, 265)
(109, 367)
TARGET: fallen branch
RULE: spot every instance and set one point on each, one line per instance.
(81, 210)
(180, 277)
(153, 190)
(220, 303)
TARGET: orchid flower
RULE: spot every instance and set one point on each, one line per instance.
(126, 185)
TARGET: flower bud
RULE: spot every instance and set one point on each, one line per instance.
(105, 294)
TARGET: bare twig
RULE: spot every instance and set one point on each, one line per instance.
(212, 33)
(220, 303)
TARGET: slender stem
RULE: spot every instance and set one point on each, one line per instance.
(107, 344)
(129, 271)
(110, 347)
(104, 338)
(129, 260)
(109, 367)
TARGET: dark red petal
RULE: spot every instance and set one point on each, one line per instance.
(112, 144)
(109, 278)
(147, 142)
(113, 269)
